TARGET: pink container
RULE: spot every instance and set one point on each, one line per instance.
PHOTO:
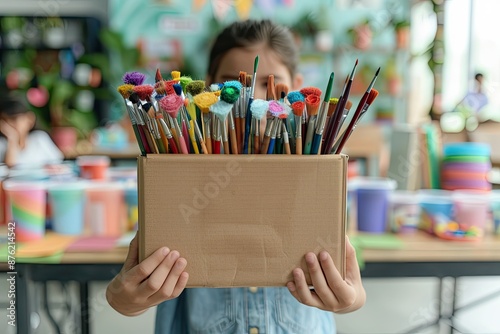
(105, 212)
(471, 212)
(93, 167)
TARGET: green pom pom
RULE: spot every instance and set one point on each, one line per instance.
(229, 94)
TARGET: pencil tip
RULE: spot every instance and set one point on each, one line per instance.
(376, 73)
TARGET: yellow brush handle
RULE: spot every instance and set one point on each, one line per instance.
(192, 137)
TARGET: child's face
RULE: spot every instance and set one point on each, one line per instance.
(22, 123)
(242, 59)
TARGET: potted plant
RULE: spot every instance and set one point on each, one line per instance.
(402, 34)
(361, 35)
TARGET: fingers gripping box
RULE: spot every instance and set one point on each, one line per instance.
(243, 220)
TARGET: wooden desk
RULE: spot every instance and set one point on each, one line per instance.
(421, 255)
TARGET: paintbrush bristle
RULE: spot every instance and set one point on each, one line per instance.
(271, 92)
(306, 91)
(312, 104)
(134, 98)
(176, 75)
(298, 108)
(158, 76)
(281, 90)
(144, 91)
(372, 96)
(259, 108)
(242, 77)
(255, 64)
(348, 104)
(204, 100)
(248, 80)
(125, 90)
(133, 78)
(332, 104)
(195, 87)
(171, 104)
(160, 87)
(295, 96)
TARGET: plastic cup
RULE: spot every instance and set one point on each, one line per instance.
(93, 167)
(105, 209)
(132, 202)
(495, 210)
(28, 201)
(67, 202)
(436, 209)
(372, 198)
(471, 213)
(404, 211)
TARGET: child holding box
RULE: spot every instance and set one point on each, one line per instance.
(160, 279)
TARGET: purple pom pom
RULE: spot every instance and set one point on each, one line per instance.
(134, 78)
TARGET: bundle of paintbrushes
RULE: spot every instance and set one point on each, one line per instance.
(182, 115)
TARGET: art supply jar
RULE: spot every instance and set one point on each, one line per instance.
(27, 205)
(372, 199)
(67, 202)
(470, 213)
(93, 167)
(436, 209)
(105, 210)
(404, 211)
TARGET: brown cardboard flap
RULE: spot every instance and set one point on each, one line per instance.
(243, 220)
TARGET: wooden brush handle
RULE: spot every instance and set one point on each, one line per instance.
(287, 148)
(234, 142)
(226, 147)
(208, 143)
(265, 145)
(237, 139)
(256, 144)
(298, 146)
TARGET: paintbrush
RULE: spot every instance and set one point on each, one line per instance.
(321, 121)
(298, 109)
(125, 91)
(339, 112)
(259, 108)
(144, 92)
(282, 92)
(203, 101)
(248, 116)
(279, 112)
(186, 126)
(312, 106)
(141, 123)
(357, 114)
(237, 113)
(171, 104)
(229, 94)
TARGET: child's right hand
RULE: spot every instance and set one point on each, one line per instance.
(139, 286)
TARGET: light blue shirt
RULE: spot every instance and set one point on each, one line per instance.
(240, 310)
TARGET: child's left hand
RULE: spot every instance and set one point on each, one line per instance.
(331, 292)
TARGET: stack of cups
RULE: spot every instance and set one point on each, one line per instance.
(67, 201)
(466, 166)
(27, 204)
(371, 195)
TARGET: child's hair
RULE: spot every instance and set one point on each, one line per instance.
(249, 32)
(11, 104)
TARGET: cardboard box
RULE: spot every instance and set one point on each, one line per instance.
(243, 220)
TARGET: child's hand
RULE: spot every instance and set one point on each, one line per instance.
(9, 132)
(331, 292)
(137, 287)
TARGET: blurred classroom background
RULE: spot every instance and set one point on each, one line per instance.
(424, 157)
